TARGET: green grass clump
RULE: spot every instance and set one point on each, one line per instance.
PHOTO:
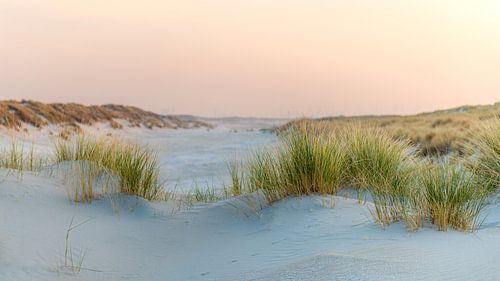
(453, 196)
(485, 150)
(376, 161)
(307, 161)
(385, 168)
(311, 160)
(264, 173)
(135, 165)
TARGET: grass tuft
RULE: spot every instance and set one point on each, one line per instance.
(385, 168)
(135, 165)
(313, 160)
(237, 176)
(307, 161)
(454, 197)
(485, 159)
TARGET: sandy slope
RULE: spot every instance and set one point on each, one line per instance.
(297, 239)
(194, 158)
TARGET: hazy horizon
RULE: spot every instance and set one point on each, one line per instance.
(271, 58)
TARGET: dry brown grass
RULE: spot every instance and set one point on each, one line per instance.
(16, 114)
(115, 125)
(435, 133)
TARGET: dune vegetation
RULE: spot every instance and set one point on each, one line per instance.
(435, 133)
(404, 182)
(136, 166)
(88, 162)
(307, 161)
(315, 158)
(453, 197)
(19, 114)
(22, 157)
(485, 148)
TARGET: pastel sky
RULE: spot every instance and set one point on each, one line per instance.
(254, 57)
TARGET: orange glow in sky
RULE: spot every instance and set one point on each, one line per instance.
(254, 57)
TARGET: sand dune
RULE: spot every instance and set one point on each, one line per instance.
(19, 114)
(237, 239)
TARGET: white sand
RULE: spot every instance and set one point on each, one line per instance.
(238, 239)
(296, 239)
(194, 158)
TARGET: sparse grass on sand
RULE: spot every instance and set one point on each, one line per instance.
(236, 173)
(82, 179)
(135, 166)
(21, 157)
(207, 194)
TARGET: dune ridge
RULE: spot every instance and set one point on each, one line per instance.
(18, 114)
(436, 133)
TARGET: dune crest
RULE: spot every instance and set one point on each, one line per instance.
(18, 114)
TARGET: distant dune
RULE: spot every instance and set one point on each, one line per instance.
(18, 114)
(437, 132)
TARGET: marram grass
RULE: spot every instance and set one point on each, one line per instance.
(386, 169)
(135, 165)
(485, 155)
(454, 197)
(305, 162)
(237, 177)
(309, 159)
(19, 156)
(312, 160)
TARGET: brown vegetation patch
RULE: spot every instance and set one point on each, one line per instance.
(115, 125)
(15, 114)
(434, 133)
